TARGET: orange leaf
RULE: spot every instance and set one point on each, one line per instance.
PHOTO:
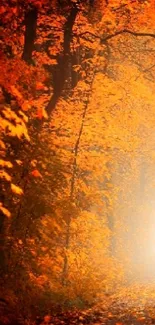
(39, 86)
(25, 106)
(47, 318)
(142, 319)
(16, 92)
(41, 113)
(36, 173)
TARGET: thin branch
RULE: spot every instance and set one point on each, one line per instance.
(149, 68)
(144, 71)
(127, 31)
(74, 175)
(108, 37)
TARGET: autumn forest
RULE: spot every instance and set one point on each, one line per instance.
(77, 162)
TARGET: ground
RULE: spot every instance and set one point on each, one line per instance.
(121, 315)
(131, 306)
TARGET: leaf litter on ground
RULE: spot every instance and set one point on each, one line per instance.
(134, 305)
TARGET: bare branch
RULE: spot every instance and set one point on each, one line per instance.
(108, 37)
(127, 31)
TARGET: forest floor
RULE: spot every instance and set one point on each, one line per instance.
(128, 306)
(131, 306)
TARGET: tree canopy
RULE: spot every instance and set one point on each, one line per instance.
(77, 127)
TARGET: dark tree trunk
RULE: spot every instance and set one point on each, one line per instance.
(60, 74)
(75, 60)
(30, 34)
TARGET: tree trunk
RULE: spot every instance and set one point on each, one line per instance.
(30, 34)
(62, 68)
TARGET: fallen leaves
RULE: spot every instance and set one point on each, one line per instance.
(36, 173)
(5, 211)
(16, 189)
(4, 163)
(4, 175)
(19, 162)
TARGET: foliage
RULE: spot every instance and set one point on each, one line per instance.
(77, 150)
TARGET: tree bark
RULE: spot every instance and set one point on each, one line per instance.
(60, 74)
(30, 34)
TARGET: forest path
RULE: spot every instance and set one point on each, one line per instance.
(113, 316)
(131, 306)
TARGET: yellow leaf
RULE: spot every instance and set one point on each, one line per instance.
(25, 118)
(5, 175)
(16, 189)
(34, 162)
(4, 163)
(2, 144)
(19, 162)
(5, 211)
(16, 92)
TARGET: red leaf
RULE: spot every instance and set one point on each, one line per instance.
(36, 173)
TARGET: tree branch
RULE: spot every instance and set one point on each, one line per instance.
(108, 37)
(127, 31)
(74, 175)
